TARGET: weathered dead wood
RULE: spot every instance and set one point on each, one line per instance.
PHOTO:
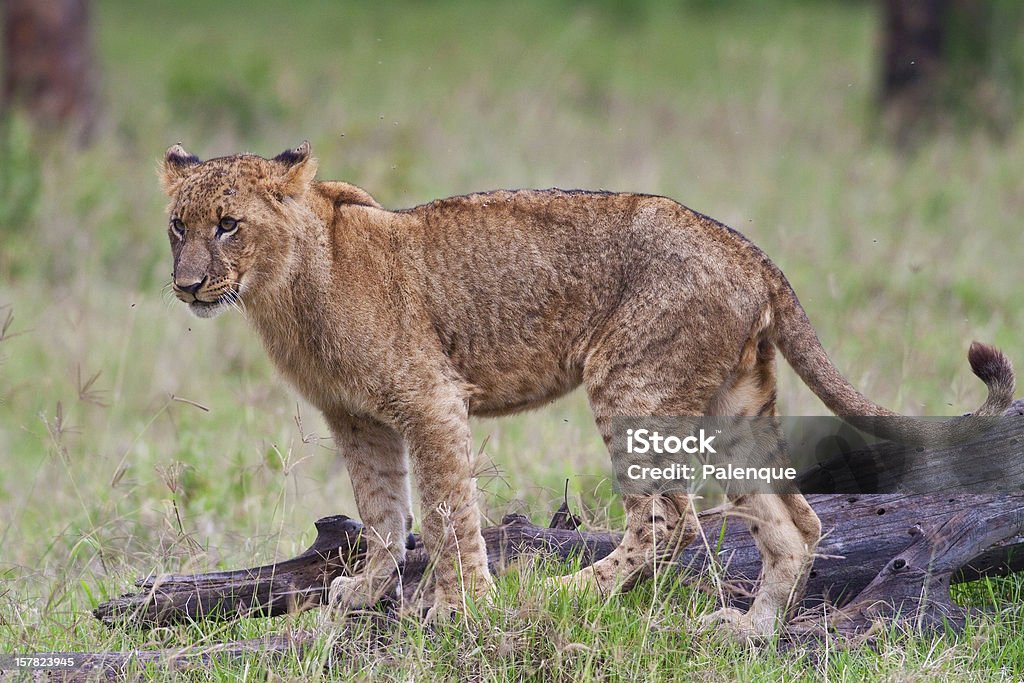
(269, 590)
(896, 550)
(895, 555)
(914, 585)
(864, 535)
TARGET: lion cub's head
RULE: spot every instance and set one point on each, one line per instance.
(229, 226)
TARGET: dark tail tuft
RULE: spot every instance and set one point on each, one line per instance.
(996, 371)
(990, 364)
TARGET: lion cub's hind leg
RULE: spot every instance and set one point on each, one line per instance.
(655, 373)
(786, 532)
(784, 527)
(657, 529)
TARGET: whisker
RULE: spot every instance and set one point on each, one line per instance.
(230, 298)
(167, 294)
(235, 301)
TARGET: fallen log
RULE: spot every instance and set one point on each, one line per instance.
(886, 548)
(866, 539)
(882, 557)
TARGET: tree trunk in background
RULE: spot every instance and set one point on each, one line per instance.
(950, 62)
(48, 64)
(912, 62)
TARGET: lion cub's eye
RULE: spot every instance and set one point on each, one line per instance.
(178, 228)
(226, 227)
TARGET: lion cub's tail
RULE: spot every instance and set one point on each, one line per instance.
(799, 344)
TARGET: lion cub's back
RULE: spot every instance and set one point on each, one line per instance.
(517, 282)
(571, 239)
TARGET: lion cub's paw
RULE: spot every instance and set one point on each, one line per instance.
(442, 611)
(447, 606)
(577, 583)
(355, 592)
(739, 626)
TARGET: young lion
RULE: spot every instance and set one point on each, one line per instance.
(399, 325)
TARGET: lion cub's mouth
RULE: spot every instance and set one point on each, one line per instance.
(209, 309)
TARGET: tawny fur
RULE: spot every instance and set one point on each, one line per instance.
(400, 325)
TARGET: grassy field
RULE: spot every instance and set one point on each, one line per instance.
(756, 113)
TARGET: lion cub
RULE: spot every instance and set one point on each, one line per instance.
(399, 325)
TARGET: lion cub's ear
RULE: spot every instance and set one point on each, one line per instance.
(297, 170)
(176, 165)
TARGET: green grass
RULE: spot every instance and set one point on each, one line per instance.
(756, 113)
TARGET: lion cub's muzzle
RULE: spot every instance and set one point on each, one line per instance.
(205, 298)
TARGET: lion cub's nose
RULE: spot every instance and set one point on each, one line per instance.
(189, 284)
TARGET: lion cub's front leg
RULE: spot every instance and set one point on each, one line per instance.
(440, 446)
(377, 464)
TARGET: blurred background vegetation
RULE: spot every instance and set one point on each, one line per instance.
(890, 195)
